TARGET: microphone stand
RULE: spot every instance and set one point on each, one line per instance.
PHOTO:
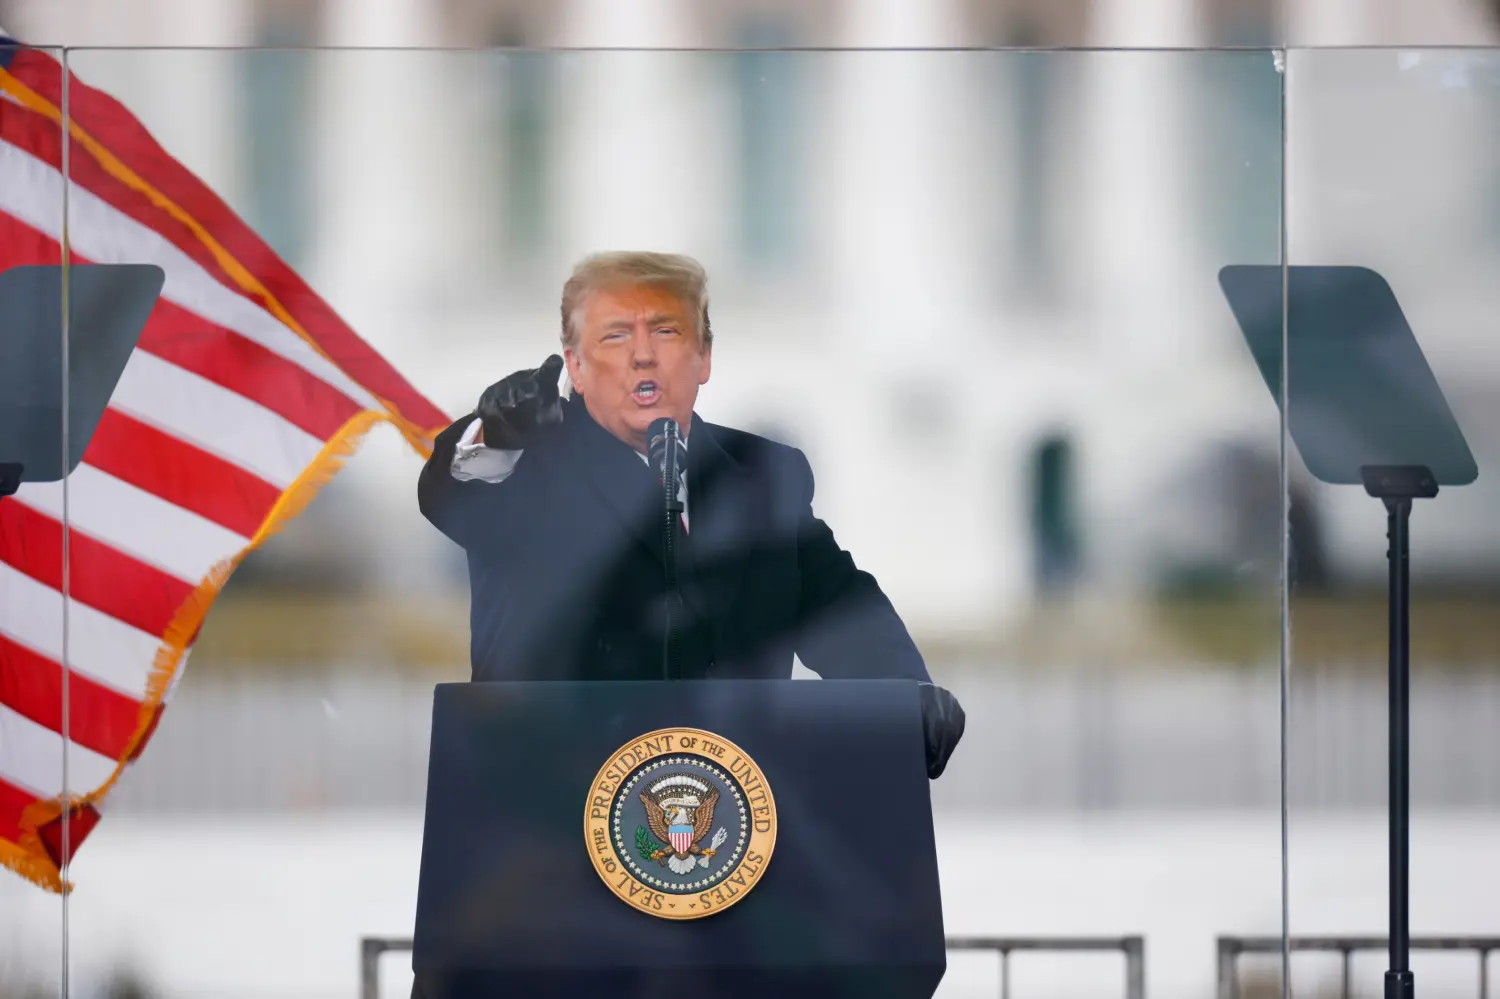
(672, 519)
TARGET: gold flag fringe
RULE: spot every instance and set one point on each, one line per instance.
(28, 857)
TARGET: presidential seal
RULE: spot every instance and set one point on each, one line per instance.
(680, 823)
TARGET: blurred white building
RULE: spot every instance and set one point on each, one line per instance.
(978, 288)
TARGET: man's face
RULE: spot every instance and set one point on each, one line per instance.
(637, 359)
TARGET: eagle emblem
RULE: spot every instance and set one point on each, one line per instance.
(680, 812)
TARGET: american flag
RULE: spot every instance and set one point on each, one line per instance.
(243, 396)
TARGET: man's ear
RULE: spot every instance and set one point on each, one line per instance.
(708, 365)
(574, 366)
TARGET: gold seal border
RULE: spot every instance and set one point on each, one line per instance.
(600, 843)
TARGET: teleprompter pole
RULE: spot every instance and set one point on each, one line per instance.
(1397, 486)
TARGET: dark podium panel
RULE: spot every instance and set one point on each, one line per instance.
(510, 904)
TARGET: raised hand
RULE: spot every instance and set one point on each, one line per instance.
(519, 406)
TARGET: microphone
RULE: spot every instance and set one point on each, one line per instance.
(664, 449)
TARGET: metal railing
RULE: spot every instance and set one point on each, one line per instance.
(1230, 949)
(370, 951)
(1134, 949)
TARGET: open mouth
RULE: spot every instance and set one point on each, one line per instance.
(646, 393)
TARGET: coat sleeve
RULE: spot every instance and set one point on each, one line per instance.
(846, 626)
(471, 513)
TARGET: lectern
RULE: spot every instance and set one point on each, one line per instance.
(704, 838)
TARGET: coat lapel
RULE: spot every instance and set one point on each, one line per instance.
(720, 512)
(615, 471)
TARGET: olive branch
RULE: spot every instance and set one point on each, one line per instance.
(647, 845)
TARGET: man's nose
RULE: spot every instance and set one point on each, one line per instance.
(643, 350)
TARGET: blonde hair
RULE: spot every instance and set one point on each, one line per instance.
(681, 275)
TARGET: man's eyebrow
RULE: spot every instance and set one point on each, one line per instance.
(656, 319)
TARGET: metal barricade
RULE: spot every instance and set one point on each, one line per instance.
(370, 951)
(1134, 949)
(1230, 949)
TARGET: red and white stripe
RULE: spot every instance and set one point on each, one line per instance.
(221, 409)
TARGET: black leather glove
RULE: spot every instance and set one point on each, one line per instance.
(942, 726)
(517, 407)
